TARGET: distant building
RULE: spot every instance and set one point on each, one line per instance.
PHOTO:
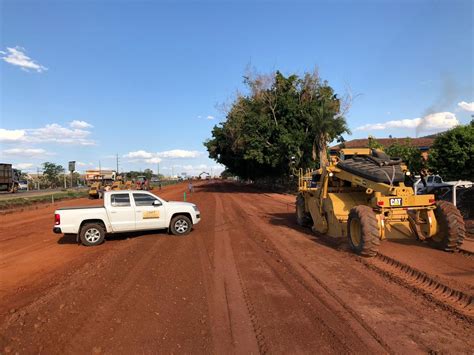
(423, 144)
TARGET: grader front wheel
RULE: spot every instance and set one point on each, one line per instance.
(303, 218)
(363, 231)
(451, 229)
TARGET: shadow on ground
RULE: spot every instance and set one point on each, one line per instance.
(289, 220)
(72, 238)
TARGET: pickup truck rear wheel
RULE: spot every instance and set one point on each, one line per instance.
(92, 234)
(180, 225)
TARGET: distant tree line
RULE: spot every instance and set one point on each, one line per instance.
(283, 123)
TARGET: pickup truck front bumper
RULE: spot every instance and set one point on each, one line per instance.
(57, 230)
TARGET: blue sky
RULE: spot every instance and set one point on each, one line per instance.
(85, 80)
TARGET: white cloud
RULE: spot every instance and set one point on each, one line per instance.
(467, 106)
(59, 134)
(155, 158)
(179, 153)
(433, 122)
(16, 56)
(405, 123)
(210, 117)
(438, 121)
(29, 152)
(139, 154)
(80, 163)
(80, 124)
(54, 132)
(14, 135)
(22, 166)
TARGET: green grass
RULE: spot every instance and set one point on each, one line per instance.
(27, 201)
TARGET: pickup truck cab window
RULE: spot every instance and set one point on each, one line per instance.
(120, 200)
(144, 199)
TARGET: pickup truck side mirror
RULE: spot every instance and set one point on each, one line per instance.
(156, 203)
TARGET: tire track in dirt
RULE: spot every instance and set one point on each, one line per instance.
(454, 300)
(108, 305)
(317, 307)
(420, 319)
(232, 326)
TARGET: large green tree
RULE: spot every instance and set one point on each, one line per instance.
(280, 125)
(51, 172)
(452, 154)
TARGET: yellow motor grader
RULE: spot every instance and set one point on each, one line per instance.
(362, 196)
(94, 190)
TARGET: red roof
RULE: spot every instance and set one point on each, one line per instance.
(422, 143)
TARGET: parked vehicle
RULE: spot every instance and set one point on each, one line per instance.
(23, 185)
(436, 182)
(9, 178)
(126, 211)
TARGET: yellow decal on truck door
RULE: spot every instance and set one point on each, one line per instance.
(151, 214)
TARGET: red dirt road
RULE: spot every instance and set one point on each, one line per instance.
(246, 280)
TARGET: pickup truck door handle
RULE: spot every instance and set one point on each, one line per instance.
(113, 211)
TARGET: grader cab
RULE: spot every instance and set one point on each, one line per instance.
(363, 196)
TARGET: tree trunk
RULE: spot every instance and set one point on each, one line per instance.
(323, 151)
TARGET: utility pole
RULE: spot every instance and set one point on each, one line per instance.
(117, 163)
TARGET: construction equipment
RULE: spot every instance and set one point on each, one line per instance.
(362, 196)
(117, 185)
(104, 176)
(95, 189)
(9, 178)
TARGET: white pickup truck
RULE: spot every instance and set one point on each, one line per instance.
(125, 211)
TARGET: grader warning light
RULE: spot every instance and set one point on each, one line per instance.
(363, 197)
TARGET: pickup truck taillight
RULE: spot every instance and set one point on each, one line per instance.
(57, 219)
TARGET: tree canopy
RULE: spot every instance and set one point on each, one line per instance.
(51, 172)
(282, 124)
(452, 154)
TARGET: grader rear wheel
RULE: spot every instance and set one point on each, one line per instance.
(451, 227)
(363, 231)
(303, 218)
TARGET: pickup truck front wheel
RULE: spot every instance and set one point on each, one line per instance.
(180, 225)
(92, 234)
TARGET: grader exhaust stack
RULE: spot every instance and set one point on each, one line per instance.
(363, 197)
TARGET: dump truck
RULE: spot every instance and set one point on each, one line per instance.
(9, 178)
(364, 196)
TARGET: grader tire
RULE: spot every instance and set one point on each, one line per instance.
(451, 227)
(302, 217)
(363, 231)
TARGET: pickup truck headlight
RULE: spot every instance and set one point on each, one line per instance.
(196, 208)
